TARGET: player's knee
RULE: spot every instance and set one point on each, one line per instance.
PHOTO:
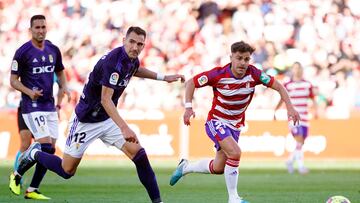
(234, 154)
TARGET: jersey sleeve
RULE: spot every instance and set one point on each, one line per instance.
(262, 78)
(17, 63)
(59, 65)
(110, 75)
(207, 78)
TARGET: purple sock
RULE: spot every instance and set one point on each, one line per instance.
(40, 170)
(51, 162)
(147, 175)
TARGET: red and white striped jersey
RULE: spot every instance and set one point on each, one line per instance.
(232, 95)
(300, 92)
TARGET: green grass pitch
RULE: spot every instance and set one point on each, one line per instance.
(259, 182)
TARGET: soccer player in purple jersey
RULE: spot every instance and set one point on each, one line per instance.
(233, 86)
(32, 73)
(96, 115)
(25, 133)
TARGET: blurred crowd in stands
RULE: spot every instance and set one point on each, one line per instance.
(190, 36)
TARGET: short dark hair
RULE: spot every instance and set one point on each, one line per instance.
(36, 17)
(137, 30)
(297, 63)
(241, 47)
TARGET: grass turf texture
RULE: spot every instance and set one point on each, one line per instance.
(117, 181)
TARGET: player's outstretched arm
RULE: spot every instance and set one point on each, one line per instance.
(292, 113)
(145, 73)
(189, 94)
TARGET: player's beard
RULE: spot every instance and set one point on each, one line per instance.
(133, 54)
(39, 39)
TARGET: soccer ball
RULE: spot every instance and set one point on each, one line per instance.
(338, 199)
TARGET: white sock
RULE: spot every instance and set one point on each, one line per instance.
(231, 177)
(201, 166)
(292, 157)
(299, 158)
(31, 189)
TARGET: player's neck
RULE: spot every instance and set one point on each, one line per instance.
(237, 75)
(39, 45)
(296, 79)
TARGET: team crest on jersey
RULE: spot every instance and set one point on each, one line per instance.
(51, 59)
(114, 77)
(14, 65)
(203, 80)
(264, 78)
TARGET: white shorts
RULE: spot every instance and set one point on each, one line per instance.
(42, 124)
(81, 135)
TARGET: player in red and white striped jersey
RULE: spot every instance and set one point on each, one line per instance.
(300, 92)
(233, 87)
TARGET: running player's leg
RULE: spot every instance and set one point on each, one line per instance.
(37, 122)
(299, 153)
(231, 170)
(299, 133)
(113, 136)
(79, 138)
(45, 129)
(217, 132)
(227, 138)
(144, 170)
(213, 166)
(25, 141)
(25, 137)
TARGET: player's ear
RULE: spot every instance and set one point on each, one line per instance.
(124, 39)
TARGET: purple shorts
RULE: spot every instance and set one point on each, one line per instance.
(300, 130)
(217, 131)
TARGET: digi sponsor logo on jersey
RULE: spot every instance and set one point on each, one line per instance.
(202, 80)
(43, 69)
(114, 77)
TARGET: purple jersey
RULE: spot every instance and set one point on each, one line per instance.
(36, 68)
(113, 70)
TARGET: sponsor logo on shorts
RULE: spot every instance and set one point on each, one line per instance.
(221, 130)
